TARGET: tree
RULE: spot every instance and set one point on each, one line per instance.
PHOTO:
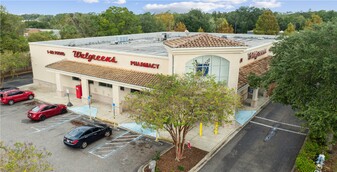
(150, 23)
(195, 19)
(37, 24)
(11, 32)
(315, 19)
(168, 20)
(244, 18)
(254, 80)
(180, 27)
(41, 36)
(169, 106)
(23, 157)
(290, 29)
(118, 21)
(69, 32)
(76, 25)
(267, 24)
(10, 62)
(223, 26)
(200, 30)
(304, 70)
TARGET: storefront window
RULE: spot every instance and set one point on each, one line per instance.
(209, 65)
(104, 85)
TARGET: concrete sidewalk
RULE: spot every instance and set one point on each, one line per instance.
(208, 141)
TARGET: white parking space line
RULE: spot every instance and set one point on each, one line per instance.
(35, 129)
(269, 126)
(108, 148)
(278, 122)
(46, 125)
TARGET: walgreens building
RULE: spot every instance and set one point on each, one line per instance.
(108, 68)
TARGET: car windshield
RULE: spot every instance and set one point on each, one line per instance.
(76, 132)
(36, 109)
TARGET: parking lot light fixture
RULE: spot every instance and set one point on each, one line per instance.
(69, 104)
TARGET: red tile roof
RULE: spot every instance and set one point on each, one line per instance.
(258, 67)
(202, 40)
(114, 74)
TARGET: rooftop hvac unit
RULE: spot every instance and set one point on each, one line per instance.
(165, 36)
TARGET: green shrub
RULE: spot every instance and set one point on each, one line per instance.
(305, 160)
(156, 156)
(304, 164)
(181, 168)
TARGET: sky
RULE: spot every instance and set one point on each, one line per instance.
(156, 6)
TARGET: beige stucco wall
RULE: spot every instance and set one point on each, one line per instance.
(40, 58)
(180, 57)
(173, 64)
(266, 47)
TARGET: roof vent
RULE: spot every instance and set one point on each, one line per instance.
(187, 32)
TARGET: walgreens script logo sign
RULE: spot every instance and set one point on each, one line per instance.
(90, 57)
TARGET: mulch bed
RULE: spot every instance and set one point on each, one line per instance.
(167, 162)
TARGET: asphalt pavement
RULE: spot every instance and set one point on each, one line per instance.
(17, 81)
(124, 151)
(251, 150)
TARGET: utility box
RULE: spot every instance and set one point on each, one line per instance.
(79, 91)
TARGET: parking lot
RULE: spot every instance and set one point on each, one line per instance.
(123, 151)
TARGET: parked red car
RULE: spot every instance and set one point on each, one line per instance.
(43, 111)
(12, 96)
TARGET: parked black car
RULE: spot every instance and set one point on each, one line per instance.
(4, 89)
(81, 136)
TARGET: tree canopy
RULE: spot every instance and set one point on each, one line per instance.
(41, 36)
(118, 21)
(304, 69)
(10, 62)
(267, 24)
(180, 27)
(177, 103)
(150, 23)
(23, 157)
(11, 32)
(315, 19)
(290, 29)
(222, 26)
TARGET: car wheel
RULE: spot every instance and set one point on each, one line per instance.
(107, 133)
(84, 145)
(63, 111)
(42, 118)
(11, 102)
(30, 97)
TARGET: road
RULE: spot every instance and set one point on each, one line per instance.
(250, 151)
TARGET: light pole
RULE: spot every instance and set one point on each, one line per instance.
(69, 103)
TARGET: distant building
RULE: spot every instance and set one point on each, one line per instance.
(36, 30)
(108, 68)
(251, 32)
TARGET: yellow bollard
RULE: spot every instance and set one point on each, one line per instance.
(200, 129)
(216, 126)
